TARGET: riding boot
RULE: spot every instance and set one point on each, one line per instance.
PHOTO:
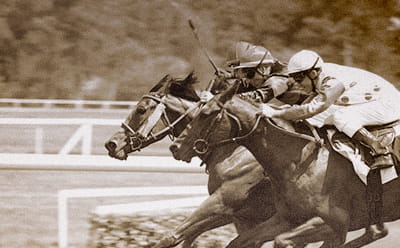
(381, 159)
(381, 156)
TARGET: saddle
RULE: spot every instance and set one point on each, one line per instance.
(357, 153)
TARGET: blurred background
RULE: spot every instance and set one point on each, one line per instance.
(115, 50)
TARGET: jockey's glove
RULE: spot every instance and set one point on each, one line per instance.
(205, 96)
(267, 111)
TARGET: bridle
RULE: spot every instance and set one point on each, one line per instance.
(202, 145)
(135, 139)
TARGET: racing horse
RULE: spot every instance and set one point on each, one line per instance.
(239, 191)
(318, 196)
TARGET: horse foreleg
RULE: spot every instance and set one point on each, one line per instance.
(314, 230)
(200, 227)
(187, 236)
(210, 214)
(364, 239)
(261, 233)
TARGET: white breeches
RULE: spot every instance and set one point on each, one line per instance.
(349, 119)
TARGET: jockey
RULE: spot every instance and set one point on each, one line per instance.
(254, 66)
(346, 97)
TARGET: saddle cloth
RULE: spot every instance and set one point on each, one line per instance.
(358, 154)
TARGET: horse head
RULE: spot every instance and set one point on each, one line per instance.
(163, 111)
(216, 125)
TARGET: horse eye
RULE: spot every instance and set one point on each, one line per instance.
(141, 110)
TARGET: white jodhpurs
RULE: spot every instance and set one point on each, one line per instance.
(349, 119)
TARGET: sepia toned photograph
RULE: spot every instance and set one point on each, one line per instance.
(199, 124)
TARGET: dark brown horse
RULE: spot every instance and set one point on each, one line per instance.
(239, 191)
(316, 200)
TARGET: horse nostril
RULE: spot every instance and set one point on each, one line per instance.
(111, 146)
(173, 148)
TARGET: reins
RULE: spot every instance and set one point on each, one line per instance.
(201, 146)
(315, 138)
(238, 138)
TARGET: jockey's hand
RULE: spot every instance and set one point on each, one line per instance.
(221, 73)
(205, 96)
(267, 111)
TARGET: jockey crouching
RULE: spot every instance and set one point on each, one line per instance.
(262, 77)
(254, 67)
(346, 97)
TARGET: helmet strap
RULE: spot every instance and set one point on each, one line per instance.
(260, 64)
(310, 70)
(315, 63)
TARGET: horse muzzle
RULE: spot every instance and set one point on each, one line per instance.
(112, 147)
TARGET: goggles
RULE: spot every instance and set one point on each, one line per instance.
(298, 77)
(250, 72)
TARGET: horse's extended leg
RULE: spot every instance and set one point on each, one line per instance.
(262, 233)
(210, 214)
(314, 230)
(367, 238)
(200, 227)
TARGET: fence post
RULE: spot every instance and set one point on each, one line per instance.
(87, 130)
(62, 220)
(39, 140)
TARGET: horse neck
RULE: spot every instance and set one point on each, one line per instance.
(219, 154)
(274, 149)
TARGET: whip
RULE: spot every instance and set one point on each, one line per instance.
(193, 28)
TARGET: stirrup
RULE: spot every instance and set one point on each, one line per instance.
(377, 231)
(382, 161)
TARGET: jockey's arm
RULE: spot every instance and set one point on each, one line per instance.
(263, 94)
(272, 88)
(328, 93)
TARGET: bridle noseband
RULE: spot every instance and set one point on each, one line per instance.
(136, 139)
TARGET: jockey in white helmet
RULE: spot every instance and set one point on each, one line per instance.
(346, 97)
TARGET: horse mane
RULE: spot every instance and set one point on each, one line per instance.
(178, 87)
(161, 83)
(183, 88)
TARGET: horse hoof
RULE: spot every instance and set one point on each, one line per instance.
(166, 242)
(281, 242)
(377, 231)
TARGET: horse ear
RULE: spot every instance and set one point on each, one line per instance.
(161, 83)
(229, 93)
(190, 78)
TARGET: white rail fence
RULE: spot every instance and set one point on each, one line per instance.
(83, 133)
(60, 103)
(87, 162)
(64, 195)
